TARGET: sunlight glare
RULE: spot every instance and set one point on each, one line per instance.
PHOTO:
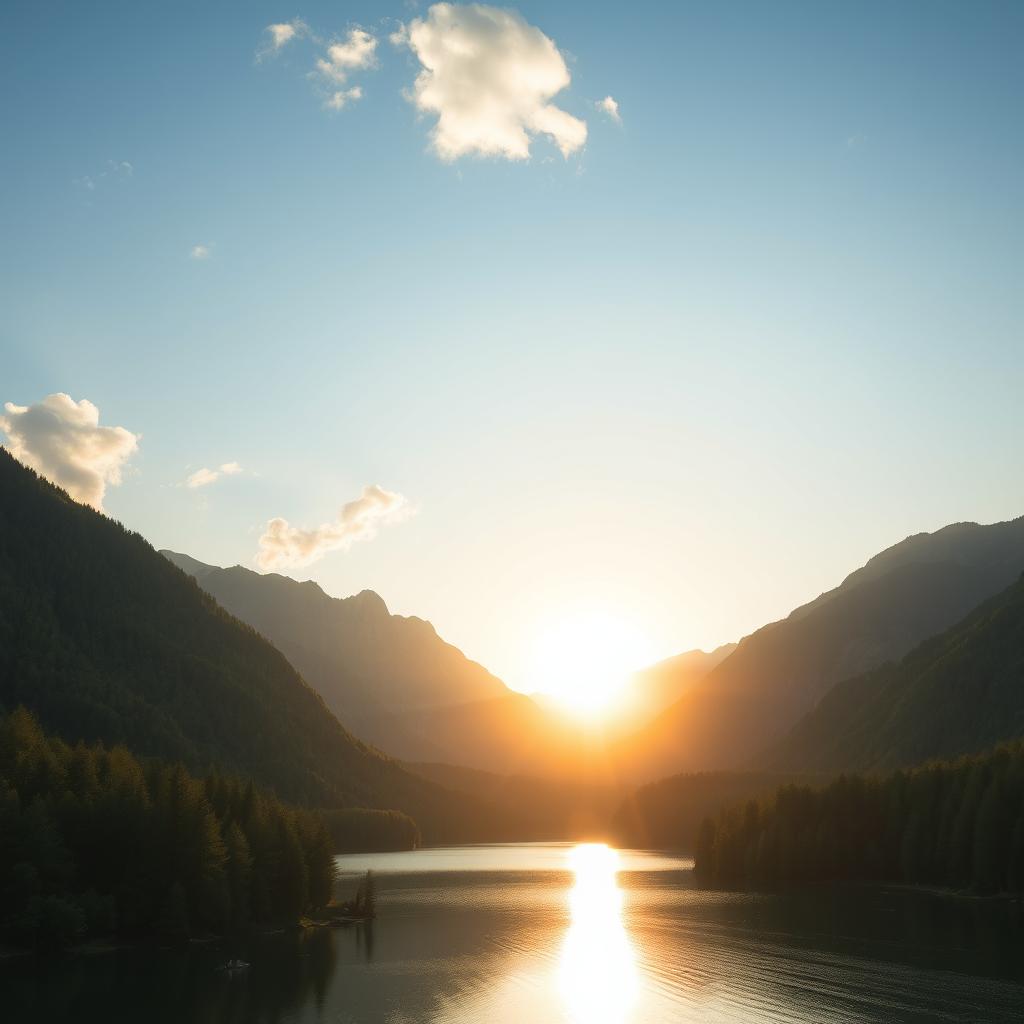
(585, 661)
(597, 970)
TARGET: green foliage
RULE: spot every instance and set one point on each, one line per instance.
(957, 693)
(106, 642)
(667, 814)
(93, 842)
(958, 824)
(911, 591)
(364, 903)
(362, 830)
(366, 897)
(516, 807)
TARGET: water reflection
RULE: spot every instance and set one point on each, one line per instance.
(506, 935)
(597, 970)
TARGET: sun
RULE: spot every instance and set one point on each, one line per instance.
(584, 660)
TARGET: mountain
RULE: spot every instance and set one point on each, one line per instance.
(398, 685)
(516, 735)
(391, 679)
(659, 686)
(957, 693)
(105, 641)
(353, 650)
(376, 671)
(903, 595)
(519, 735)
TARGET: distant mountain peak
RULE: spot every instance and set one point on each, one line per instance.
(187, 564)
(367, 600)
(368, 664)
(105, 642)
(955, 693)
(912, 590)
(371, 601)
(963, 543)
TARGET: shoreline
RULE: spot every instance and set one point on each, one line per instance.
(940, 892)
(102, 946)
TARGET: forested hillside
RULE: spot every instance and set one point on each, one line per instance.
(105, 641)
(395, 680)
(902, 596)
(93, 842)
(398, 685)
(957, 693)
(667, 814)
(376, 671)
(533, 807)
(958, 824)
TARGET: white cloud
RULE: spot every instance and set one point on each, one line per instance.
(611, 108)
(203, 477)
(358, 51)
(116, 170)
(283, 545)
(489, 77)
(280, 35)
(200, 252)
(62, 439)
(341, 97)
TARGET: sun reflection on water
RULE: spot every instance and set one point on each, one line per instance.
(597, 971)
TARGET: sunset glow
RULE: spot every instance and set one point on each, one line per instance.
(597, 967)
(584, 660)
(523, 501)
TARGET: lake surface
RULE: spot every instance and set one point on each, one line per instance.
(537, 933)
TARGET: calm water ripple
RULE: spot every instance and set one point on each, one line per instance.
(538, 933)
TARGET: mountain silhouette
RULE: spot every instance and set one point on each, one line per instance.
(104, 640)
(399, 686)
(907, 593)
(957, 693)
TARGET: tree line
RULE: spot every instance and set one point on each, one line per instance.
(105, 641)
(956, 824)
(367, 830)
(94, 842)
(667, 814)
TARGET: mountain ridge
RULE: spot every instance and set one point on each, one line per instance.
(957, 693)
(105, 641)
(906, 593)
(346, 648)
(364, 661)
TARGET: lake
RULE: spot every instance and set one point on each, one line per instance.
(537, 933)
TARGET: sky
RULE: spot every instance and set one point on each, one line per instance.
(661, 316)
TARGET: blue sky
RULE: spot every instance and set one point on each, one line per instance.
(689, 375)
